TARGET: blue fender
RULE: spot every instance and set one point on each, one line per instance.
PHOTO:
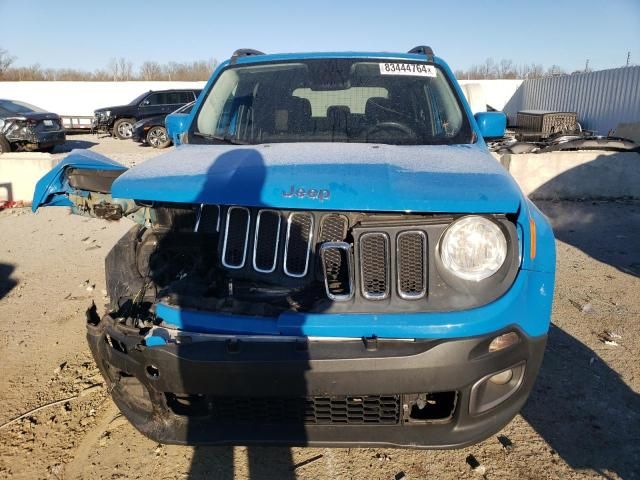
(53, 188)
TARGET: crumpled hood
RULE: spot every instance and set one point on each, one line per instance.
(327, 176)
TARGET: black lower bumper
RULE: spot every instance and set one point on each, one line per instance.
(196, 392)
(49, 139)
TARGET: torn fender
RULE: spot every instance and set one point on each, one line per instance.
(83, 182)
(54, 188)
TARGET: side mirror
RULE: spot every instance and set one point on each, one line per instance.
(176, 124)
(491, 124)
(145, 103)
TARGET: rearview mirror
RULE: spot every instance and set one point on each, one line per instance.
(491, 124)
(176, 124)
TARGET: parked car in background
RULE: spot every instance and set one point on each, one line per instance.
(152, 130)
(118, 121)
(27, 127)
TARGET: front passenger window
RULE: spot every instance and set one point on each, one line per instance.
(154, 99)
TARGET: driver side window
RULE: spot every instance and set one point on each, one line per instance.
(153, 99)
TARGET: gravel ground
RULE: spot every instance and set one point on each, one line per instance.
(582, 420)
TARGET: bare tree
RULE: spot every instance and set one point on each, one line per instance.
(555, 71)
(117, 70)
(151, 71)
(5, 61)
(126, 69)
(506, 69)
(114, 69)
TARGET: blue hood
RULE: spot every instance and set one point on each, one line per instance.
(327, 176)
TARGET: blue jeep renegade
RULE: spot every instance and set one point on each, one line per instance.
(330, 257)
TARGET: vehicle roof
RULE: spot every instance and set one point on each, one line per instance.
(319, 55)
(176, 90)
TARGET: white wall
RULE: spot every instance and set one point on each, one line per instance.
(495, 93)
(82, 98)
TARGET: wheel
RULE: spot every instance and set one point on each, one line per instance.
(123, 128)
(157, 137)
(4, 145)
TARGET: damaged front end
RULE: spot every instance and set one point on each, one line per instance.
(247, 323)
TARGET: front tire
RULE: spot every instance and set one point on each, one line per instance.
(157, 137)
(123, 128)
(4, 145)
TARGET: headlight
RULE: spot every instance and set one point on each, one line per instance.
(107, 113)
(473, 248)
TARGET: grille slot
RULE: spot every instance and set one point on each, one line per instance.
(374, 265)
(298, 244)
(337, 270)
(236, 237)
(333, 228)
(411, 264)
(208, 219)
(267, 237)
(343, 410)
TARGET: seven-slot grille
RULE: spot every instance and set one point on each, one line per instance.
(391, 261)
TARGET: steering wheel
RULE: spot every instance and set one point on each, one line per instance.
(391, 126)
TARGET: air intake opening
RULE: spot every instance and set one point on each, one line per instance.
(429, 407)
(265, 253)
(411, 258)
(337, 270)
(374, 265)
(298, 246)
(236, 236)
(187, 405)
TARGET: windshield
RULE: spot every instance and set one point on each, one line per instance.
(333, 100)
(139, 98)
(12, 107)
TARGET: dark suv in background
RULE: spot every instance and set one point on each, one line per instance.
(119, 120)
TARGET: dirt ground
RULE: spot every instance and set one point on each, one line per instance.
(582, 420)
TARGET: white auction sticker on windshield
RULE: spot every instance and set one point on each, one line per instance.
(418, 69)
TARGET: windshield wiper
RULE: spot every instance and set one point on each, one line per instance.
(226, 139)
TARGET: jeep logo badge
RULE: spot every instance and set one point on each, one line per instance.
(312, 193)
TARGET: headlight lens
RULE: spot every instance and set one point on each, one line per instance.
(473, 248)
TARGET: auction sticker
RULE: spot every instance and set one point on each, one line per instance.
(418, 69)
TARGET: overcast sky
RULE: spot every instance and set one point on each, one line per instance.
(85, 34)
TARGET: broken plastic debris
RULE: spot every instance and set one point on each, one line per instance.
(506, 443)
(475, 465)
(607, 338)
(60, 368)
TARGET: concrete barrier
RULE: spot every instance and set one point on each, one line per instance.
(549, 176)
(576, 175)
(19, 173)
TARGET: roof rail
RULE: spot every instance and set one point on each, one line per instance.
(423, 50)
(244, 52)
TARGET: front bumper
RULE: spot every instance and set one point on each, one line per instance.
(102, 124)
(205, 372)
(139, 134)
